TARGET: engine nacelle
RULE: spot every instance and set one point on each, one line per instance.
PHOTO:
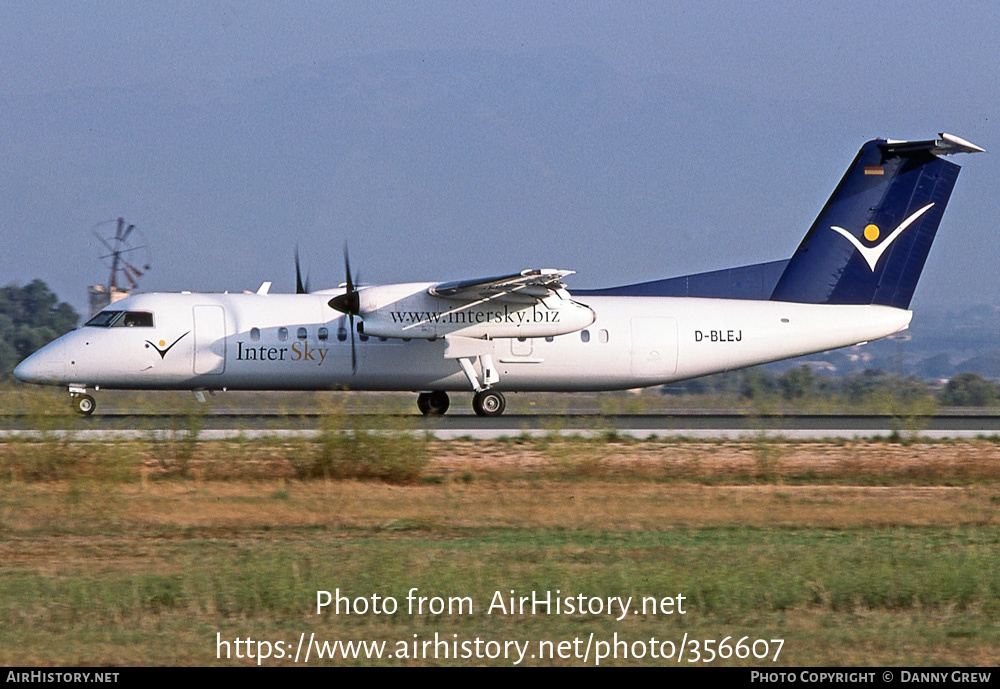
(409, 311)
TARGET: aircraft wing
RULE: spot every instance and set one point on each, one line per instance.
(532, 283)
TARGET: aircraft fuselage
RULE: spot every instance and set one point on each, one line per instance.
(291, 342)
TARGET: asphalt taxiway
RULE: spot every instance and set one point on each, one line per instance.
(232, 424)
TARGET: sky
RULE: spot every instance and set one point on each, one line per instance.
(442, 140)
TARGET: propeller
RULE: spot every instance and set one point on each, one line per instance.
(300, 288)
(348, 303)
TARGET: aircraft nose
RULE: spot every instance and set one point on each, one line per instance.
(47, 365)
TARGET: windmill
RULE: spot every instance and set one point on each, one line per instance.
(121, 251)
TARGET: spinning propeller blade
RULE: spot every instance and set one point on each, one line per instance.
(349, 303)
(300, 288)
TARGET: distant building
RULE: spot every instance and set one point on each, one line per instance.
(102, 296)
(820, 366)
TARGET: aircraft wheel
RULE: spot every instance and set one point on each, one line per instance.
(433, 403)
(489, 403)
(84, 404)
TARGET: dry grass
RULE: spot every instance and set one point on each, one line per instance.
(227, 507)
(730, 461)
(853, 462)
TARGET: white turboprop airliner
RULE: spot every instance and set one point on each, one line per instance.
(850, 281)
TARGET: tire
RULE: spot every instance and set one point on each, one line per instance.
(489, 403)
(433, 403)
(84, 404)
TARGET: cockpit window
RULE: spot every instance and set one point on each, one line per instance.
(122, 319)
(135, 319)
(104, 319)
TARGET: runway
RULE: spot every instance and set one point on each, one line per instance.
(254, 424)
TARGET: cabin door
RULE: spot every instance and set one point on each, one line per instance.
(654, 347)
(209, 340)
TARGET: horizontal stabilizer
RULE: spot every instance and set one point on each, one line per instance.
(948, 144)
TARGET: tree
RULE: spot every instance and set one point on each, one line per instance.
(796, 383)
(969, 390)
(757, 383)
(30, 317)
(873, 385)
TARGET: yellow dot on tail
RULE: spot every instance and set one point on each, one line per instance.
(162, 342)
(871, 233)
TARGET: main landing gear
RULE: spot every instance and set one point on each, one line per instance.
(489, 402)
(486, 402)
(433, 403)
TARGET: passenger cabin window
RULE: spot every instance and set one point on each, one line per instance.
(602, 335)
(122, 319)
(341, 333)
(323, 334)
(255, 334)
(282, 333)
(585, 336)
(301, 333)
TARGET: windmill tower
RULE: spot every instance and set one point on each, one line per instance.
(121, 250)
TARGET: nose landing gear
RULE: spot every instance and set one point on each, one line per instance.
(83, 404)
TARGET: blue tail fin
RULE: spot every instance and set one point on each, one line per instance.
(871, 240)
